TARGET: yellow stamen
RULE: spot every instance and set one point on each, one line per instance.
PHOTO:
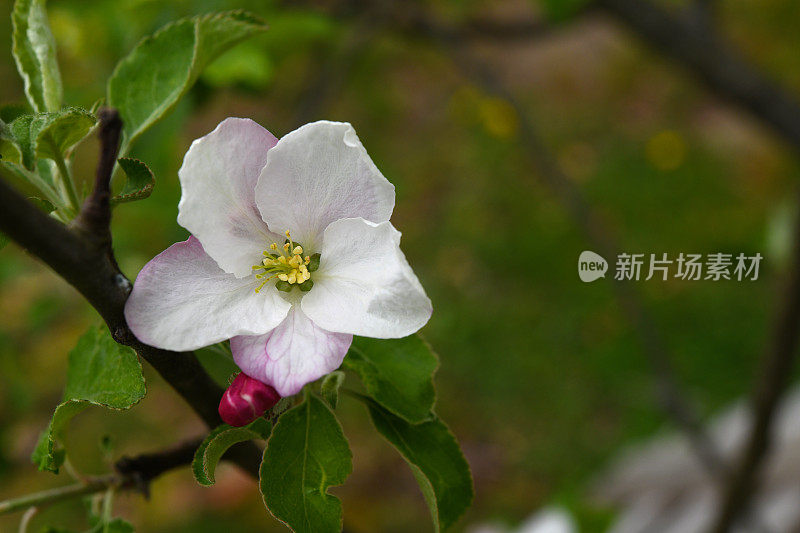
(289, 266)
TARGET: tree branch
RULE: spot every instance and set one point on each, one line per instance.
(131, 473)
(712, 60)
(94, 220)
(85, 260)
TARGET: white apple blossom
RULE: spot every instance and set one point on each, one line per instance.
(340, 271)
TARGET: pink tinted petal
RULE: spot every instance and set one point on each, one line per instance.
(183, 301)
(218, 178)
(245, 400)
(293, 354)
(317, 174)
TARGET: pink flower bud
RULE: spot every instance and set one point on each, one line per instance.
(245, 400)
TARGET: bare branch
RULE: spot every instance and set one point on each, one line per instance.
(132, 473)
(144, 468)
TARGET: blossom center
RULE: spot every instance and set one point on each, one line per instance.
(287, 265)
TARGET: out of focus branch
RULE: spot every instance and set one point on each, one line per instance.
(669, 394)
(771, 383)
(132, 473)
(84, 258)
(696, 46)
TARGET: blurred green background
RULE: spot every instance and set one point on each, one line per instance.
(542, 378)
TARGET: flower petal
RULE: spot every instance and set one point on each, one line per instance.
(364, 284)
(183, 301)
(317, 174)
(218, 178)
(293, 354)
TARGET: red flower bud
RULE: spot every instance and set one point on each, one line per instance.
(245, 400)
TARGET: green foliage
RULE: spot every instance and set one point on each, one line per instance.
(245, 65)
(117, 525)
(9, 151)
(217, 443)
(35, 53)
(562, 10)
(433, 454)
(330, 387)
(63, 130)
(42, 204)
(25, 130)
(217, 361)
(157, 73)
(397, 373)
(50, 135)
(100, 372)
(306, 454)
(139, 183)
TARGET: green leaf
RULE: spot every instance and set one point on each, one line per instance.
(139, 184)
(49, 135)
(35, 53)
(100, 372)
(306, 454)
(148, 82)
(217, 443)
(9, 151)
(42, 204)
(62, 131)
(330, 387)
(435, 460)
(397, 373)
(25, 130)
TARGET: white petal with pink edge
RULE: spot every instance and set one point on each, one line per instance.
(293, 354)
(182, 300)
(317, 174)
(218, 178)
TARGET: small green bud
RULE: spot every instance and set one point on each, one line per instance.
(306, 285)
(313, 264)
(283, 286)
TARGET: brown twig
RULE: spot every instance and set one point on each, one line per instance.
(94, 220)
(144, 468)
(83, 257)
